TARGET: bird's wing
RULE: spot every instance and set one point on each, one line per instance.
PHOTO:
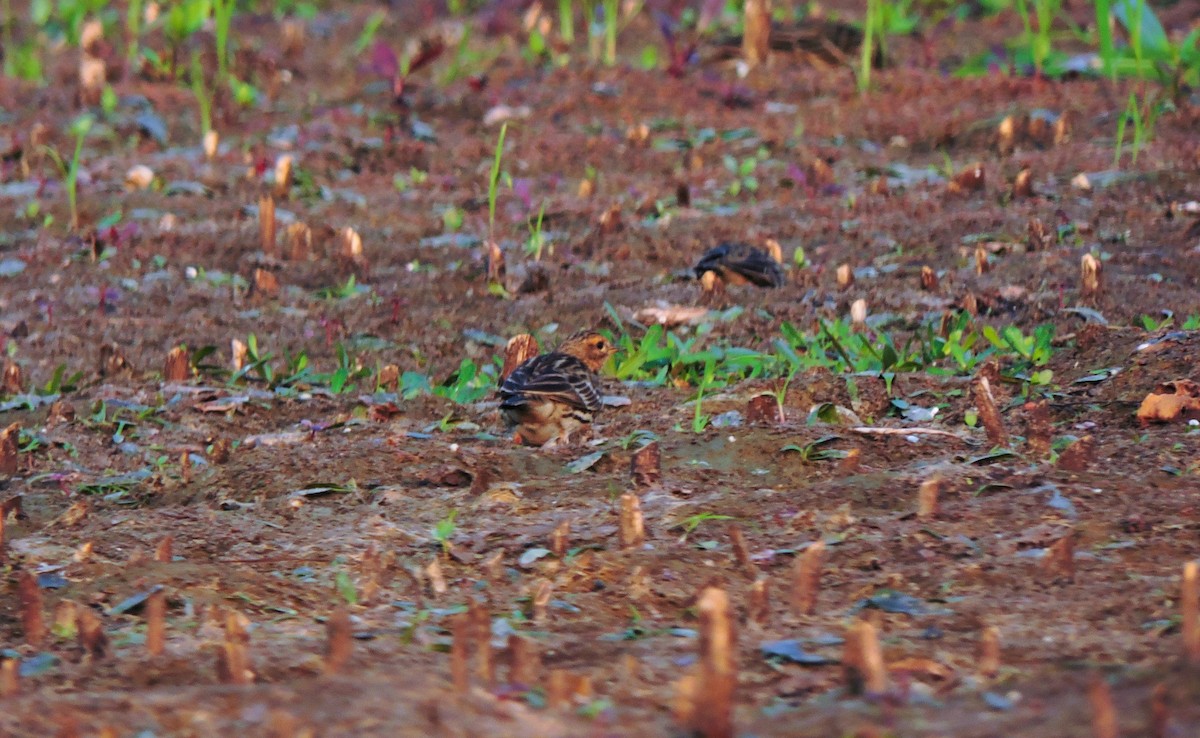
(554, 376)
(750, 263)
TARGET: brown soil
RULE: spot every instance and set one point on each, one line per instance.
(245, 538)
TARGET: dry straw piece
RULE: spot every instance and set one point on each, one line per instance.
(481, 634)
(163, 549)
(1091, 275)
(1078, 456)
(9, 449)
(989, 651)
(645, 465)
(929, 279)
(177, 367)
(388, 378)
(981, 260)
(862, 660)
(32, 619)
(858, 313)
(1040, 237)
(266, 225)
(1189, 608)
(239, 353)
(741, 552)
(139, 177)
(266, 283)
(759, 609)
(156, 622)
(1023, 184)
(283, 175)
(437, 580)
(560, 539)
(495, 263)
(806, 578)
(1160, 714)
(92, 637)
(13, 382)
(339, 641)
(541, 600)
(927, 498)
(633, 528)
(211, 144)
(460, 629)
(713, 704)
(519, 349)
(233, 666)
(1038, 429)
(92, 78)
(524, 663)
(1060, 557)
(352, 245)
(989, 413)
(300, 241)
(756, 32)
(1104, 713)
(10, 677)
(764, 408)
(845, 276)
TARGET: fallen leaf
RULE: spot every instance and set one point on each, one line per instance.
(791, 651)
(1177, 400)
(671, 315)
(583, 463)
(922, 667)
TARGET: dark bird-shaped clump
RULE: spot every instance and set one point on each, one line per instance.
(549, 397)
(737, 263)
(812, 42)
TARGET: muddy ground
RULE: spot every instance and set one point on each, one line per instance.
(290, 506)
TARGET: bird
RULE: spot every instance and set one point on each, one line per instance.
(738, 263)
(549, 397)
(813, 42)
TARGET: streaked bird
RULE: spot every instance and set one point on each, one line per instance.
(738, 263)
(549, 397)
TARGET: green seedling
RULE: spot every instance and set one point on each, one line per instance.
(203, 101)
(1143, 114)
(414, 178)
(1151, 324)
(566, 21)
(366, 37)
(10, 60)
(812, 452)
(468, 384)
(700, 419)
(1108, 53)
(222, 19)
(133, 30)
(610, 31)
(494, 181)
(537, 239)
(744, 174)
(443, 531)
(79, 129)
(639, 437)
(871, 29)
(693, 522)
(1038, 41)
(350, 288)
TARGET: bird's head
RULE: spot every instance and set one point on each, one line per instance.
(590, 347)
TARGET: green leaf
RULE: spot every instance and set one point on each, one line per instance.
(345, 587)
